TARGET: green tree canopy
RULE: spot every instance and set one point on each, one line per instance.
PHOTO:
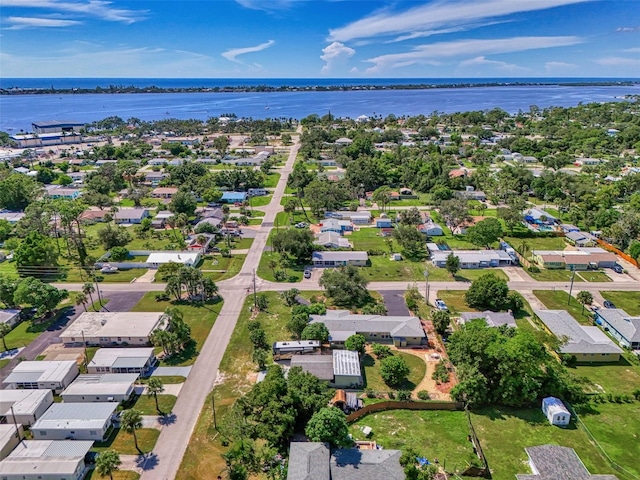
(356, 342)
(34, 252)
(488, 292)
(42, 296)
(315, 331)
(345, 286)
(394, 371)
(329, 425)
(485, 232)
(297, 242)
(17, 191)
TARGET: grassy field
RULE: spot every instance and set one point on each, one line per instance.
(504, 434)
(434, 434)
(122, 442)
(545, 275)
(627, 301)
(271, 180)
(230, 265)
(367, 239)
(471, 275)
(383, 268)
(261, 201)
(455, 301)
(199, 318)
(26, 332)
(294, 274)
(592, 276)
(537, 243)
(616, 427)
(147, 405)
(118, 475)
(374, 381)
(616, 378)
(557, 300)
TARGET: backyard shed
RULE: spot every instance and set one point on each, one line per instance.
(555, 411)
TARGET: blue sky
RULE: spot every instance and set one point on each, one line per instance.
(315, 38)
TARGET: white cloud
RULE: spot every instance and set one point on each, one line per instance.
(267, 5)
(95, 8)
(618, 62)
(627, 29)
(20, 23)
(483, 61)
(632, 50)
(335, 54)
(427, 54)
(232, 53)
(437, 15)
(551, 67)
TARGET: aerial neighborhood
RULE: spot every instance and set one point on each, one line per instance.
(416, 297)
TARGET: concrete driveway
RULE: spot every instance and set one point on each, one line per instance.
(394, 301)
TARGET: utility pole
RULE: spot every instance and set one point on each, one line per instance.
(571, 287)
(84, 347)
(255, 297)
(426, 276)
(213, 403)
(15, 423)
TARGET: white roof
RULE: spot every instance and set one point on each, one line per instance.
(470, 256)
(24, 402)
(176, 257)
(8, 314)
(7, 433)
(101, 384)
(113, 324)
(72, 416)
(346, 362)
(109, 357)
(44, 371)
(554, 405)
(45, 458)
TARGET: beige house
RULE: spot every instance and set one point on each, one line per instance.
(113, 328)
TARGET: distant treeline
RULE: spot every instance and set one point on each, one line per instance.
(288, 88)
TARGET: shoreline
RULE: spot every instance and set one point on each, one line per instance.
(119, 89)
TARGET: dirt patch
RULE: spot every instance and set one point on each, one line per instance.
(59, 352)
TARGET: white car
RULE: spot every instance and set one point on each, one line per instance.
(440, 305)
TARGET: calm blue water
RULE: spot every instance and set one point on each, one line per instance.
(19, 111)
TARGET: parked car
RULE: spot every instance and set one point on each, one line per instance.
(608, 304)
(617, 268)
(441, 305)
(307, 274)
(91, 457)
(301, 225)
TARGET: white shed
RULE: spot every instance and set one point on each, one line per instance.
(555, 411)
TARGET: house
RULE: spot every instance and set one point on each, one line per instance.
(588, 161)
(164, 192)
(341, 369)
(556, 412)
(585, 343)
(339, 259)
(359, 217)
(539, 217)
(187, 258)
(113, 328)
(384, 223)
(581, 258)
(471, 193)
(493, 319)
(233, 197)
(10, 316)
(56, 191)
(123, 360)
(93, 215)
(154, 178)
(57, 126)
(622, 326)
(44, 375)
(553, 462)
(580, 239)
(399, 330)
(131, 215)
(343, 141)
(45, 139)
(314, 461)
(160, 220)
(101, 387)
(332, 240)
(335, 225)
(430, 228)
(11, 217)
(296, 346)
(46, 459)
(28, 405)
(472, 258)
(567, 227)
(257, 192)
(10, 437)
(75, 421)
(200, 241)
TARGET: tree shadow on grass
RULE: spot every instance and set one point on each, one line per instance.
(167, 419)
(187, 353)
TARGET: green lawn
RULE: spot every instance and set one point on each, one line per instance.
(261, 201)
(117, 475)
(167, 379)
(537, 243)
(616, 427)
(627, 301)
(557, 300)
(455, 301)
(147, 405)
(469, 275)
(374, 381)
(434, 434)
(591, 276)
(230, 265)
(26, 332)
(271, 180)
(504, 433)
(294, 274)
(199, 318)
(122, 442)
(242, 243)
(367, 238)
(616, 378)
(8, 269)
(383, 268)
(545, 275)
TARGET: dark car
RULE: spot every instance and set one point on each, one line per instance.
(608, 304)
(617, 268)
(90, 458)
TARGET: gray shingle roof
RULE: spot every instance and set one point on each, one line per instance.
(624, 323)
(308, 461)
(553, 462)
(338, 321)
(493, 319)
(580, 339)
(319, 365)
(339, 256)
(354, 464)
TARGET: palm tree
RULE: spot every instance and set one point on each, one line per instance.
(154, 387)
(5, 328)
(89, 289)
(107, 463)
(272, 265)
(130, 421)
(202, 241)
(80, 298)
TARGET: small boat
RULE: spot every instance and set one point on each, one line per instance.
(266, 107)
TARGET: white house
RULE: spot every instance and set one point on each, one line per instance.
(75, 421)
(555, 411)
(10, 436)
(45, 375)
(113, 328)
(46, 460)
(189, 259)
(338, 259)
(10, 316)
(622, 326)
(131, 215)
(105, 387)
(28, 405)
(123, 360)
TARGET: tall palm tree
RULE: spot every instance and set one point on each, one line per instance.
(107, 463)
(89, 289)
(130, 421)
(5, 328)
(80, 299)
(154, 387)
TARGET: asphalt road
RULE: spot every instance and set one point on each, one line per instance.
(394, 301)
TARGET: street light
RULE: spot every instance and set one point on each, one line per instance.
(426, 276)
(572, 268)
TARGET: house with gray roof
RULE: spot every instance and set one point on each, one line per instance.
(130, 215)
(472, 258)
(624, 327)
(123, 360)
(493, 319)
(314, 461)
(26, 406)
(553, 462)
(341, 369)
(580, 239)
(10, 316)
(75, 421)
(399, 330)
(45, 375)
(332, 240)
(46, 459)
(105, 387)
(339, 259)
(586, 343)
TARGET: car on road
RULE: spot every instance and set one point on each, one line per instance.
(441, 305)
(307, 274)
(301, 225)
(608, 304)
(617, 268)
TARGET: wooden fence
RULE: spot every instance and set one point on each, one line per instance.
(611, 248)
(396, 405)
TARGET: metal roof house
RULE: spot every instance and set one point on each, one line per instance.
(555, 411)
(399, 330)
(113, 328)
(105, 387)
(46, 459)
(552, 462)
(339, 259)
(587, 344)
(45, 375)
(187, 258)
(580, 239)
(10, 436)
(75, 421)
(233, 197)
(122, 360)
(57, 126)
(341, 369)
(130, 215)
(493, 319)
(28, 405)
(473, 258)
(624, 327)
